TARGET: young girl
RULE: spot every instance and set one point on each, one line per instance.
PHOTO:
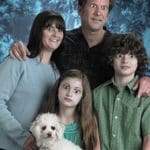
(71, 99)
(24, 84)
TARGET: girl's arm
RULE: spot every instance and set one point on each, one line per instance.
(146, 143)
(97, 147)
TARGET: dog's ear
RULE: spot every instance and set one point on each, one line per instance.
(36, 129)
(60, 130)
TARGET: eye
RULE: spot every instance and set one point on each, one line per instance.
(132, 56)
(104, 7)
(119, 56)
(65, 86)
(49, 28)
(76, 91)
(52, 127)
(44, 127)
(60, 29)
(92, 5)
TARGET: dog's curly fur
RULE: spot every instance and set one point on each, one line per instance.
(48, 132)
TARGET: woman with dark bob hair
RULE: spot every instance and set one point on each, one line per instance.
(24, 84)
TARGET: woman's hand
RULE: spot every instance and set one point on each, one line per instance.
(30, 144)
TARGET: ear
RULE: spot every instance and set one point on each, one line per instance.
(36, 130)
(80, 10)
(60, 130)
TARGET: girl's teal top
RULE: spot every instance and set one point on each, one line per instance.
(73, 133)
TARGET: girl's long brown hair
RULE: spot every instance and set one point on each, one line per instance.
(84, 109)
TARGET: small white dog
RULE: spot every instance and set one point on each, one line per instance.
(48, 132)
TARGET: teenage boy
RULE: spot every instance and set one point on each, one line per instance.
(124, 119)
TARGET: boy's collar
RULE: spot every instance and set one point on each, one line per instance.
(130, 85)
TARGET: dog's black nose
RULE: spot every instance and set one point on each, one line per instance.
(49, 134)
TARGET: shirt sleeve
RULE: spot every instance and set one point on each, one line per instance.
(10, 74)
(146, 118)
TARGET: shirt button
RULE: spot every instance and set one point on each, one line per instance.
(118, 99)
(116, 117)
(114, 135)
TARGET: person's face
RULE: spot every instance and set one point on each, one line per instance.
(94, 14)
(125, 65)
(70, 92)
(52, 38)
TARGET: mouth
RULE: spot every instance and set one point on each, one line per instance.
(125, 67)
(67, 99)
(47, 137)
(54, 40)
(96, 20)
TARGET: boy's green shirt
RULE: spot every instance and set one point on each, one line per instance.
(123, 118)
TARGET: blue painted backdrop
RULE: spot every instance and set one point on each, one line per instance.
(16, 17)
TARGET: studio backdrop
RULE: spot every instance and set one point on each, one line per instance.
(16, 17)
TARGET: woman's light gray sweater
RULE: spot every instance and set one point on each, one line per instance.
(23, 87)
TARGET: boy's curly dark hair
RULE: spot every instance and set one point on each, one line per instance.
(130, 43)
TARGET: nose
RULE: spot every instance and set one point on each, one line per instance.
(55, 32)
(98, 11)
(49, 134)
(69, 93)
(125, 58)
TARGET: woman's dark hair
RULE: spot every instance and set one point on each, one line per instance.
(130, 43)
(83, 2)
(84, 109)
(43, 20)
